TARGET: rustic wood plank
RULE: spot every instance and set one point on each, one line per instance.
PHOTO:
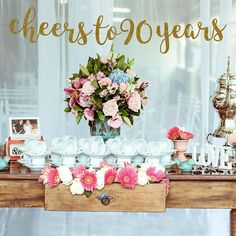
(21, 193)
(233, 222)
(150, 198)
(202, 194)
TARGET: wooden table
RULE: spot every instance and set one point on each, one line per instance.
(20, 188)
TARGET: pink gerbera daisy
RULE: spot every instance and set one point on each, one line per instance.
(154, 174)
(88, 180)
(106, 164)
(127, 177)
(77, 171)
(110, 176)
(44, 174)
(53, 177)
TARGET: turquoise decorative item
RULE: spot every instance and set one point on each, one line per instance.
(185, 166)
(101, 128)
(4, 163)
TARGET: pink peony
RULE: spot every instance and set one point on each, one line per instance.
(173, 133)
(53, 177)
(134, 102)
(127, 177)
(110, 108)
(100, 75)
(89, 114)
(185, 135)
(110, 176)
(154, 174)
(123, 87)
(77, 171)
(103, 93)
(115, 122)
(88, 88)
(104, 82)
(88, 180)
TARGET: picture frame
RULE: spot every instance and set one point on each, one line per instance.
(21, 128)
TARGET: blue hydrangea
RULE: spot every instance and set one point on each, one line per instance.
(118, 76)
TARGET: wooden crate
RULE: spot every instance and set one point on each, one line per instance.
(150, 198)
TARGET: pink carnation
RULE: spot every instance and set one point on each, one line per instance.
(89, 114)
(127, 177)
(115, 122)
(88, 180)
(154, 174)
(88, 88)
(104, 82)
(53, 177)
(173, 133)
(134, 102)
(110, 176)
(77, 171)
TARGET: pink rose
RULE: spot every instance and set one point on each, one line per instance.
(184, 135)
(104, 82)
(103, 59)
(134, 102)
(131, 73)
(123, 87)
(115, 122)
(100, 75)
(110, 108)
(173, 133)
(89, 114)
(103, 93)
(88, 88)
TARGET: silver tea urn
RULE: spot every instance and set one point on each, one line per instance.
(224, 101)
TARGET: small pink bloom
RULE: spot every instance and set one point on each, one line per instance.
(89, 114)
(106, 164)
(154, 174)
(127, 177)
(110, 108)
(104, 82)
(115, 122)
(144, 85)
(88, 88)
(92, 77)
(103, 59)
(88, 180)
(144, 101)
(232, 138)
(123, 87)
(84, 101)
(103, 93)
(173, 133)
(53, 177)
(185, 135)
(134, 102)
(138, 84)
(117, 98)
(44, 174)
(126, 95)
(79, 82)
(77, 171)
(110, 176)
(131, 73)
(100, 75)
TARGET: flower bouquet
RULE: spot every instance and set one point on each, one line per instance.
(107, 93)
(180, 139)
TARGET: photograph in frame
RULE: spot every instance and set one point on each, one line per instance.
(24, 127)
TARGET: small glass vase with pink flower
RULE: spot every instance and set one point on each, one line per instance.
(107, 93)
(180, 139)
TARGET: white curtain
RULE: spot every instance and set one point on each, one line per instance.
(181, 83)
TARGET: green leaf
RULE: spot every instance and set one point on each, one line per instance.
(96, 67)
(75, 75)
(87, 193)
(121, 61)
(67, 109)
(130, 63)
(95, 84)
(79, 117)
(126, 120)
(90, 64)
(96, 99)
(123, 112)
(101, 117)
(84, 70)
(77, 107)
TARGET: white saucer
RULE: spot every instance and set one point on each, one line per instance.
(66, 154)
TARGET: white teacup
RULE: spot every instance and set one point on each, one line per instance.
(152, 161)
(68, 160)
(83, 159)
(128, 148)
(140, 146)
(120, 161)
(38, 161)
(95, 162)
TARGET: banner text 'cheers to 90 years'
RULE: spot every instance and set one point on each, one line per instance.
(127, 26)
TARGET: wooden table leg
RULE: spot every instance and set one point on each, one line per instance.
(233, 222)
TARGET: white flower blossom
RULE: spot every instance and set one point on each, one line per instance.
(142, 178)
(100, 179)
(76, 187)
(65, 175)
